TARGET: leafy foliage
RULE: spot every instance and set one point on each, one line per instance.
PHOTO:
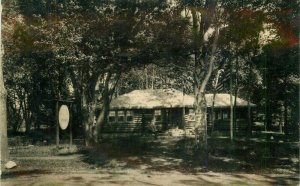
(89, 50)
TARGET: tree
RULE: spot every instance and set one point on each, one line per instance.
(31, 76)
(204, 23)
(3, 112)
(107, 39)
(120, 46)
(278, 97)
(111, 38)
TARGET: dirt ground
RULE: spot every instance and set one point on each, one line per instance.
(139, 177)
(156, 162)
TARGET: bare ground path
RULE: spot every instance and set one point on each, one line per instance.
(139, 177)
(162, 163)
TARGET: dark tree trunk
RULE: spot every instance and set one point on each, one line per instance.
(88, 112)
(102, 118)
(268, 97)
(85, 105)
(106, 97)
(27, 115)
(249, 119)
(231, 101)
(284, 110)
(286, 124)
(269, 117)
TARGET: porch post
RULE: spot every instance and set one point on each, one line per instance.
(70, 123)
(57, 123)
(231, 102)
(183, 117)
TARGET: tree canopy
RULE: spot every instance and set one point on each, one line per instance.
(93, 50)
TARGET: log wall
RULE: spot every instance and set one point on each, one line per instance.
(134, 126)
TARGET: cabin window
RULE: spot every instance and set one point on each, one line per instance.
(129, 116)
(191, 114)
(157, 114)
(191, 111)
(225, 114)
(121, 116)
(112, 116)
(220, 115)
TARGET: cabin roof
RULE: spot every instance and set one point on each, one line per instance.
(223, 100)
(152, 98)
(167, 98)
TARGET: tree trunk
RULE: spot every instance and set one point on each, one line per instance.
(204, 64)
(200, 113)
(146, 75)
(286, 124)
(213, 101)
(201, 125)
(3, 118)
(92, 124)
(231, 103)
(78, 116)
(236, 88)
(249, 119)
(152, 79)
(3, 110)
(213, 115)
(27, 115)
(88, 110)
(106, 97)
(269, 103)
(102, 118)
(201, 79)
(285, 110)
(3, 121)
(85, 104)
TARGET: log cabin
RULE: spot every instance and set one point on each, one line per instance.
(157, 110)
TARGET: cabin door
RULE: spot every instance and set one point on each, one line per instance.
(147, 118)
(174, 118)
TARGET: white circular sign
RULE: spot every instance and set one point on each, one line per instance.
(63, 117)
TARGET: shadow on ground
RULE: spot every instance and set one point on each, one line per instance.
(274, 162)
(167, 154)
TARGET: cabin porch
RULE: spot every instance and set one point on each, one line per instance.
(162, 119)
